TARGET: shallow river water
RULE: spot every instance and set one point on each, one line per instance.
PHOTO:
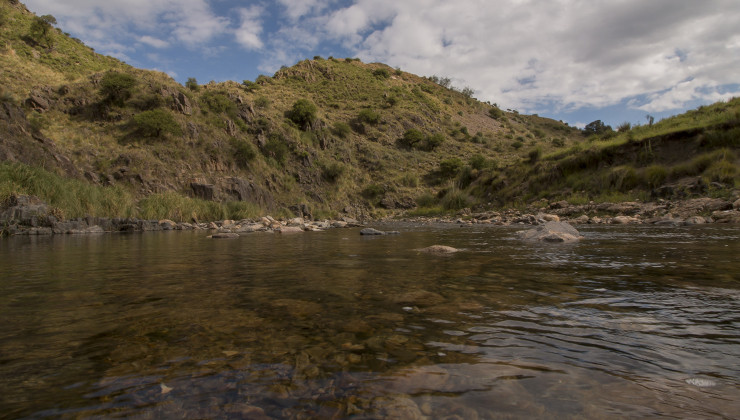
(637, 322)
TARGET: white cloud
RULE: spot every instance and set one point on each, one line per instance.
(296, 9)
(100, 22)
(248, 33)
(154, 42)
(525, 53)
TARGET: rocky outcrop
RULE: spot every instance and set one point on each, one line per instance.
(554, 232)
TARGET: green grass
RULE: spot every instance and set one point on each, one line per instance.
(73, 198)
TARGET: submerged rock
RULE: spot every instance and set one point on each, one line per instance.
(371, 231)
(225, 235)
(439, 249)
(551, 232)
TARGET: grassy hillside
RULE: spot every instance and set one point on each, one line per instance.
(336, 135)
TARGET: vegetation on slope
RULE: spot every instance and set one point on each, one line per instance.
(338, 135)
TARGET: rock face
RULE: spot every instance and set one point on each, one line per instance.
(555, 232)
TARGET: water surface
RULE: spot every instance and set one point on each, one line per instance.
(631, 322)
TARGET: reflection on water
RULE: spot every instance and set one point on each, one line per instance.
(631, 322)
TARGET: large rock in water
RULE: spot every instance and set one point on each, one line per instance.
(551, 232)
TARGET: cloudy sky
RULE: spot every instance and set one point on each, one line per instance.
(572, 60)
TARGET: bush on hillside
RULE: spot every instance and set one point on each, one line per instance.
(243, 152)
(41, 29)
(341, 129)
(303, 113)
(117, 88)
(276, 148)
(449, 168)
(156, 123)
(368, 116)
(411, 138)
(192, 84)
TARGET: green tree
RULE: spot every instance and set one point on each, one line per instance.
(192, 84)
(117, 88)
(156, 123)
(412, 138)
(41, 29)
(434, 141)
(303, 113)
(596, 127)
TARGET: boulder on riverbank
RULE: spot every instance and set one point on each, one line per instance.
(553, 232)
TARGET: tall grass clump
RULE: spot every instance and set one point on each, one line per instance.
(73, 197)
(238, 210)
(455, 199)
(179, 208)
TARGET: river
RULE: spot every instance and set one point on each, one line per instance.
(633, 321)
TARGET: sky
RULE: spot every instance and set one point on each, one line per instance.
(571, 60)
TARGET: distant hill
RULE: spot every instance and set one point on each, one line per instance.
(327, 136)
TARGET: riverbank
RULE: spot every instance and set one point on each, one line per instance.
(27, 215)
(662, 212)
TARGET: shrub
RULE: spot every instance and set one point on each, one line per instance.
(596, 127)
(219, 102)
(276, 148)
(426, 200)
(411, 138)
(117, 88)
(303, 113)
(250, 86)
(41, 28)
(517, 144)
(455, 199)
(332, 172)
(624, 127)
(262, 102)
(373, 191)
(655, 175)
(495, 113)
(341, 129)
(192, 84)
(243, 152)
(434, 141)
(369, 116)
(534, 154)
(478, 161)
(410, 180)
(448, 168)
(722, 171)
(382, 73)
(156, 123)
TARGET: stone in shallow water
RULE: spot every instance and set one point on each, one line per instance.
(439, 249)
(225, 235)
(551, 232)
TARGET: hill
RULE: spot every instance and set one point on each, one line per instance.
(325, 137)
